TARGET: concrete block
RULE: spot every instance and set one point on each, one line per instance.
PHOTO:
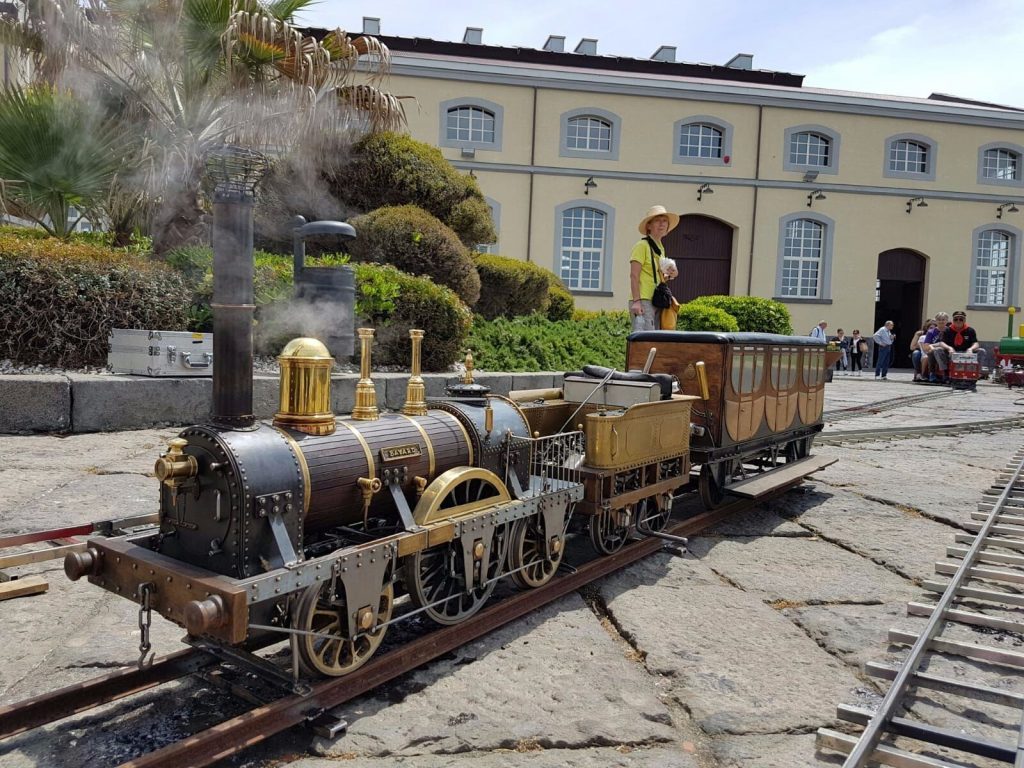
(538, 380)
(107, 403)
(500, 383)
(343, 392)
(266, 396)
(35, 404)
(394, 386)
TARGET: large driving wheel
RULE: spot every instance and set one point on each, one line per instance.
(528, 558)
(607, 533)
(332, 651)
(437, 581)
(712, 482)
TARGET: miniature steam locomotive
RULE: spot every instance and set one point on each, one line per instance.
(314, 527)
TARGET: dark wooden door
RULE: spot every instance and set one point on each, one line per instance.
(900, 298)
(702, 249)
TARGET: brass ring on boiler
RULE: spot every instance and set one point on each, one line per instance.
(303, 467)
(371, 466)
(426, 440)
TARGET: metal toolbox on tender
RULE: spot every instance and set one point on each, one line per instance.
(160, 353)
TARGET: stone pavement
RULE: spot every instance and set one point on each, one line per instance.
(729, 658)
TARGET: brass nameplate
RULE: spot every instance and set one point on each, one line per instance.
(396, 452)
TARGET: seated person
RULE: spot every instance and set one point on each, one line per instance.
(922, 355)
(937, 373)
(959, 337)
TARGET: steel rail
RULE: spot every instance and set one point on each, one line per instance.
(64, 702)
(238, 733)
(867, 409)
(882, 721)
(839, 437)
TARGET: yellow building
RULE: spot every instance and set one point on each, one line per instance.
(849, 207)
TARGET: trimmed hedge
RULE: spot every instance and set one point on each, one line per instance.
(415, 242)
(561, 304)
(534, 343)
(61, 299)
(510, 287)
(700, 317)
(416, 303)
(752, 313)
(389, 169)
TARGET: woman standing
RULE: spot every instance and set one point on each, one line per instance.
(643, 269)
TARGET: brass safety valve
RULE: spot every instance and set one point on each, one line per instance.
(175, 467)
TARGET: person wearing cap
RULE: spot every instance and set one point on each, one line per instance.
(958, 337)
(643, 270)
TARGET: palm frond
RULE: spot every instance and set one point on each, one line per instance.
(285, 10)
(346, 53)
(302, 59)
(384, 111)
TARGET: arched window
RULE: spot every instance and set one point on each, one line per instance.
(804, 270)
(811, 148)
(999, 164)
(702, 140)
(582, 251)
(994, 267)
(909, 156)
(470, 124)
(591, 133)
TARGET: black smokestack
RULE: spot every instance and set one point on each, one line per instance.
(235, 172)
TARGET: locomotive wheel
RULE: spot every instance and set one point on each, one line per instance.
(655, 517)
(436, 579)
(527, 556)
(606, 534)
(460, 491)
(712, 484)
(323, 611)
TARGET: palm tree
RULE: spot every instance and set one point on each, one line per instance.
(183, 76)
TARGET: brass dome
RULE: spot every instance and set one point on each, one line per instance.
(305, 348)
(305, 387)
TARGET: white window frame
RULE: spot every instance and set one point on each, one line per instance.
(834, 140)
(1012, 270)
(932, 158)
(613, 121)
(1005, 146)
(710, 121)
(824, 291)
(471, 103)
(604, 276)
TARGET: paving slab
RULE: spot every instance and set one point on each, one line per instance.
(782, 751)
(798, 570)
(555, 679)
(529, 757)
(735, 664)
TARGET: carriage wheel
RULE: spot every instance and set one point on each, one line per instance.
(653, 515)
(606, 534)
(712, 484)
(332, 652)
(436, 579)
(799, 448)
(527, 556)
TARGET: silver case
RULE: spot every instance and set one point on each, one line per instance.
(160, 353)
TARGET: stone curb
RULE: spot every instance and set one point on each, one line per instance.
(76, 403)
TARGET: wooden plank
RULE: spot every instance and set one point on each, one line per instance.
(758, 485)
(956, 687)
(39, 555)
(999, 528)
(1006, 598)
(30, 585)
(986, 556)
(967, 538)
(1003, 517)
(967, 617)
(988, 574)
(842, 742)
(967, 650)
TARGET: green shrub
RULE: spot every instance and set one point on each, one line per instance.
(510, 287)
(61, 299)
(417, 303)
(534, 343)
(703, 317)
(417, 243)
(471, 220)
(561, 304)
(752, 313)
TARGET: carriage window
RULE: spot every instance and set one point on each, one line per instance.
(778, 359)
(737, 370)
(758, 369)
(748, 372)
(791, 368)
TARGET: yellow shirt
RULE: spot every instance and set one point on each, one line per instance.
(643, 254)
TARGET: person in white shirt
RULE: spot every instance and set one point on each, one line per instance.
(818, 331)
(884, 337)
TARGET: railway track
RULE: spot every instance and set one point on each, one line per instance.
(848, 436)
(267, 719)
(869, 409)
(954, 700)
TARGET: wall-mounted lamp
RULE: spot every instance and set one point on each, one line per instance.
(817, 194)
(704, 189)
(921, 203)
(588, 185)
(1008, 207)
(468, 151)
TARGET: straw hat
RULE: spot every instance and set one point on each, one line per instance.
(654, 212)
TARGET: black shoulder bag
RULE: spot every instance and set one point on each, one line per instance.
(662, 298)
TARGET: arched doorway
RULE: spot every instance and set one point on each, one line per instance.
(899, 296)
(702, 249)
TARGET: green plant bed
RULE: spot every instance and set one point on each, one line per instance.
(753, 314)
